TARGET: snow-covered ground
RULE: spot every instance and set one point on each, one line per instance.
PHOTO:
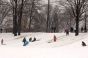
(43, 39)
(65, 46)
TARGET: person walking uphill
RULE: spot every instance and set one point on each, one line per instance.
(25, 42)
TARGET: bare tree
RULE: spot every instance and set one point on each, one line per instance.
(85, 19)
(78, 8)
(20, 17)
(15, 18)
(17, 15)
(48, 17)
(4, 10)
(55, 21)
(31, 13)
(34, 6)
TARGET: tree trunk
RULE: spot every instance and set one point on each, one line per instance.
(77, 27)
(15, 19)
(31, 15)
(85, 28)
(48, 18)
(20, 18)
(77, 19)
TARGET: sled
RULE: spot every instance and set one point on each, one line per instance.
(50, 41)
(26, 43)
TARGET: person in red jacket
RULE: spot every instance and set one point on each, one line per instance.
(55, 39)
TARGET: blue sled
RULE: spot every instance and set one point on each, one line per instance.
(26, 43)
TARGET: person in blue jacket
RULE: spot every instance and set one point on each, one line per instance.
(24, 40)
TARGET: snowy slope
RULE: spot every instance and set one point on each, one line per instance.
(43, 38)
(65, 47)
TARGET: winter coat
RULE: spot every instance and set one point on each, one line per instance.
(30, 39)
(24, 40)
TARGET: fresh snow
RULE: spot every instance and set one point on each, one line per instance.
(43, 39)
(65, 46)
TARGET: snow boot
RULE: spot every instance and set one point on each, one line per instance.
(26, 43)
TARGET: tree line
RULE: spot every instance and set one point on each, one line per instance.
(34, 15)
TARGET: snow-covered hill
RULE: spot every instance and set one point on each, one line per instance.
(65, 47)
(43, 39)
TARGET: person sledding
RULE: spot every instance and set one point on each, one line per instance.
(55, 39)
(34, 39)
(83, 43)
(30, 39)
(25, 42)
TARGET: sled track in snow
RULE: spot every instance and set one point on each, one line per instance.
(22, 36)
(61, 38)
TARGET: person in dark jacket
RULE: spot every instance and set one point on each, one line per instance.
(34, 39)
(67, 31)
(24, 40)
(30, 39)
(83, 43)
